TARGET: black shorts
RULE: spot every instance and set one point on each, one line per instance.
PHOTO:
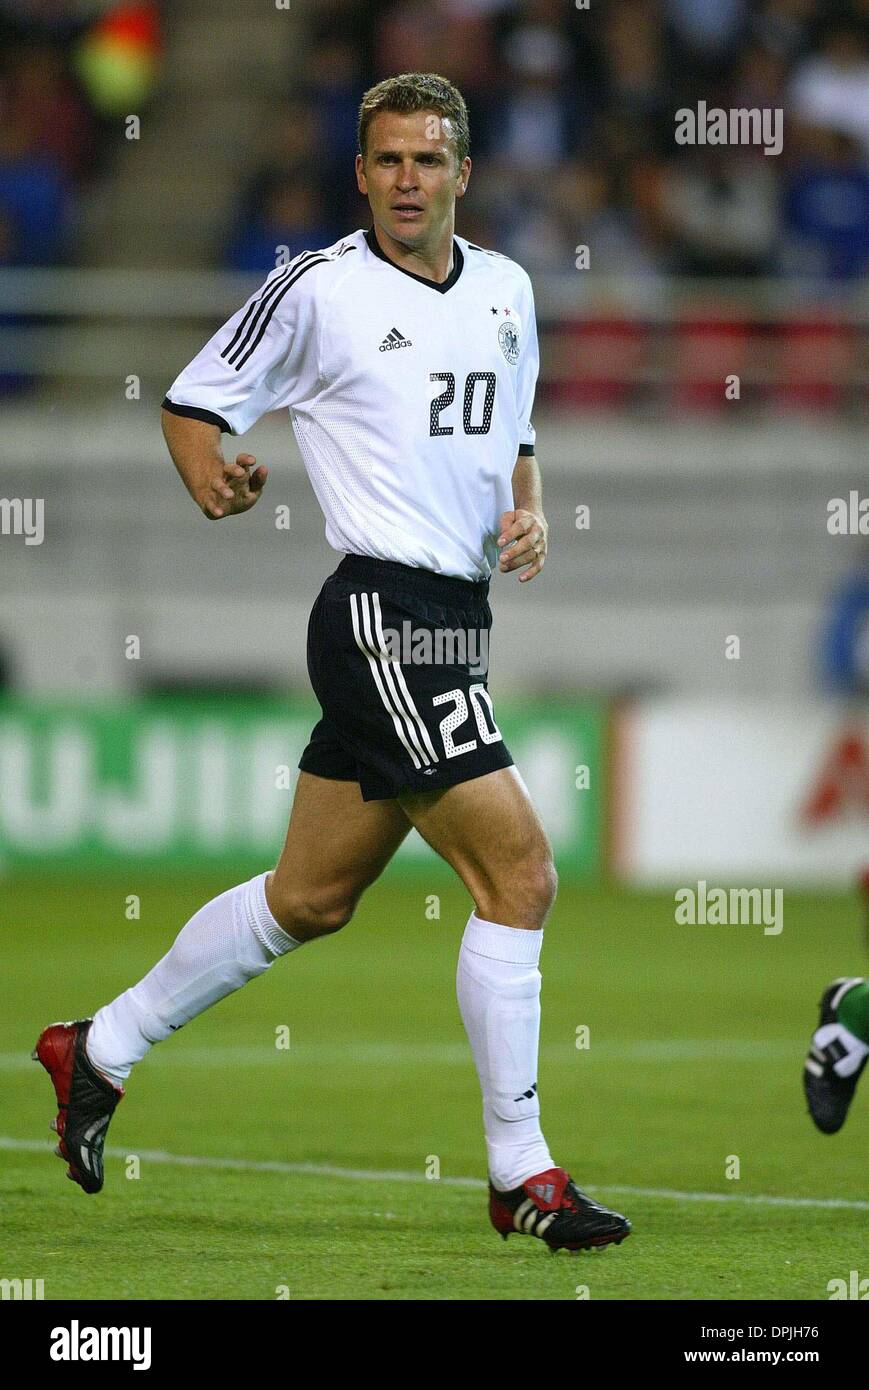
(398, 658)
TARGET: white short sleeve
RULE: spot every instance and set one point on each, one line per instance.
(526, 376)
(264, 358)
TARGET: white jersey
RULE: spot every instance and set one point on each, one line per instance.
(410, 400)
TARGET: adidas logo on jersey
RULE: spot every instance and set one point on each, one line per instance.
(394, 339)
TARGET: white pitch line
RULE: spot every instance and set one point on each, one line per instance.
(328, 1170)
(665, 1050)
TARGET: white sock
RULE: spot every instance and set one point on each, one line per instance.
(498, 987)
(229, 941)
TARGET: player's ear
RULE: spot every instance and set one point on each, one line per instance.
(360, 175)
(463, 177)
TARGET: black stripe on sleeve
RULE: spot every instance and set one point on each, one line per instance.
(193, 412)
(486, 251)
(288, 285)
(526, 449)
(251, 309)
(267, 303)
(242, 334)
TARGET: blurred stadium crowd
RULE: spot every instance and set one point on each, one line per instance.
(68, 69)
(572, 128)
(572, 124)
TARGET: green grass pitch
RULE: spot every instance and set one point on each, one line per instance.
(697, 1036)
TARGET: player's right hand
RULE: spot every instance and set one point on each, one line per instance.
(235, 489)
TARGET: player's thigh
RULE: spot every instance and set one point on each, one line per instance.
(489, 831)
(336, 843)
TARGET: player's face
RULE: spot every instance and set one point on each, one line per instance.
(411, 175)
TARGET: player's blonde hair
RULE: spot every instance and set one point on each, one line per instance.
(417, 91)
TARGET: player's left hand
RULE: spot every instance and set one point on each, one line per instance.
(236, 489)
(525, 538)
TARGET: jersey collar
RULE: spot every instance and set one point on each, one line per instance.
(458, 264)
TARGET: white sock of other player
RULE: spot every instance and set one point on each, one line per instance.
(228, 942)
(498, 988)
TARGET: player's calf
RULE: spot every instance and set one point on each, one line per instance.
(306, 913)
(488, 831)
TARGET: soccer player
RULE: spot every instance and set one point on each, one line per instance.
(837, 1053)
(408, 360)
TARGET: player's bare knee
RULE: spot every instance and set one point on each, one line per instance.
(308, 915)
(330, 918)
(521, 897)
(547, 884)
(311, 920)
(537, 886)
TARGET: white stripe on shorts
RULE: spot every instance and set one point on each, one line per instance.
(399, 676)
(388, 667)
(399, 718)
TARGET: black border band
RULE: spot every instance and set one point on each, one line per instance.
(193, 412)
(526, 449)
(458, 263)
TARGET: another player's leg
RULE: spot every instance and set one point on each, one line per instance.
(488, 830)
(336, 845)
(838, 1052)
